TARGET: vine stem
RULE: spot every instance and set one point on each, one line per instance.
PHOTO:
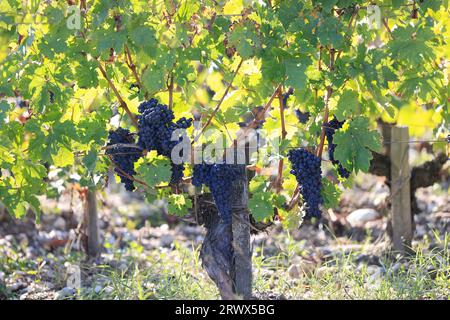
(122, 102)
(170, 87)
(279, 180)
(132, 66)
(386, 25)
(261, 115)
(216, 109)
(324, 122)
(126, 174)
(351, 27)
(122, 145)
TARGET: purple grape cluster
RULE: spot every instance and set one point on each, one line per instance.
(330, 129)
(156, 127)
(124, 157)
(302, 117)
(219, 179)
(306, 169)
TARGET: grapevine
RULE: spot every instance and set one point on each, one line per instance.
(70, 70)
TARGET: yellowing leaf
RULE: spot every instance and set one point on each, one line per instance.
(233, 7)
(214, 81)
(63, 158)
(413, 114)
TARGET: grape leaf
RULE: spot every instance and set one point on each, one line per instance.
(87, 74)
(328, 34)
(260, 206)
(153, 79)
(354, 143)
(296, 72)
(179, 204)
(330, 193)
(155, 171)
(347, 105)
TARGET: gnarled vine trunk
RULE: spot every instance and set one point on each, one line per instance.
(226, 252)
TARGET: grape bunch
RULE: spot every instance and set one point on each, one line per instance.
(219, 179)
(123, 157)
(330, 129)
(156, 127)
(302, 117)
(306, 169)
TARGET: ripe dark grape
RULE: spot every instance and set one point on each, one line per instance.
(124, 157)
(219, 179)
(330, 129)
(156, 127)
(302, 117)
(287, 95)
(177, 173)
(306, 169)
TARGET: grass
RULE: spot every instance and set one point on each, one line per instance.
(133, 273)
(178, 275)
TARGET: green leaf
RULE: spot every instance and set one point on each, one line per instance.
(4, 108)
(296, 73)
(354, 143)
(260, 206)
(106, 39)
(330, 193)
(289, 10)
(87, 74)
(410, 45)
(142, 36)
(179, 204)
(347, 105)
(90, 160)
(155, 171)
(153, 79)
(245, 39)
(328, 32)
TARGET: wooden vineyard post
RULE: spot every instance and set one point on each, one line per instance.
(241, 271)
(400, 190)
(91, 223)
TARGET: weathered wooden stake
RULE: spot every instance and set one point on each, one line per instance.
(400, 190)
(91, 222)
(242, 262)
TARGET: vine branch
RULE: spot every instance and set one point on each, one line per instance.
(261, 115)
(170, 87)
(126, 174)
(132, 66)
(122, 102)
(324, 122)
(219, 104)
(279, 180)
